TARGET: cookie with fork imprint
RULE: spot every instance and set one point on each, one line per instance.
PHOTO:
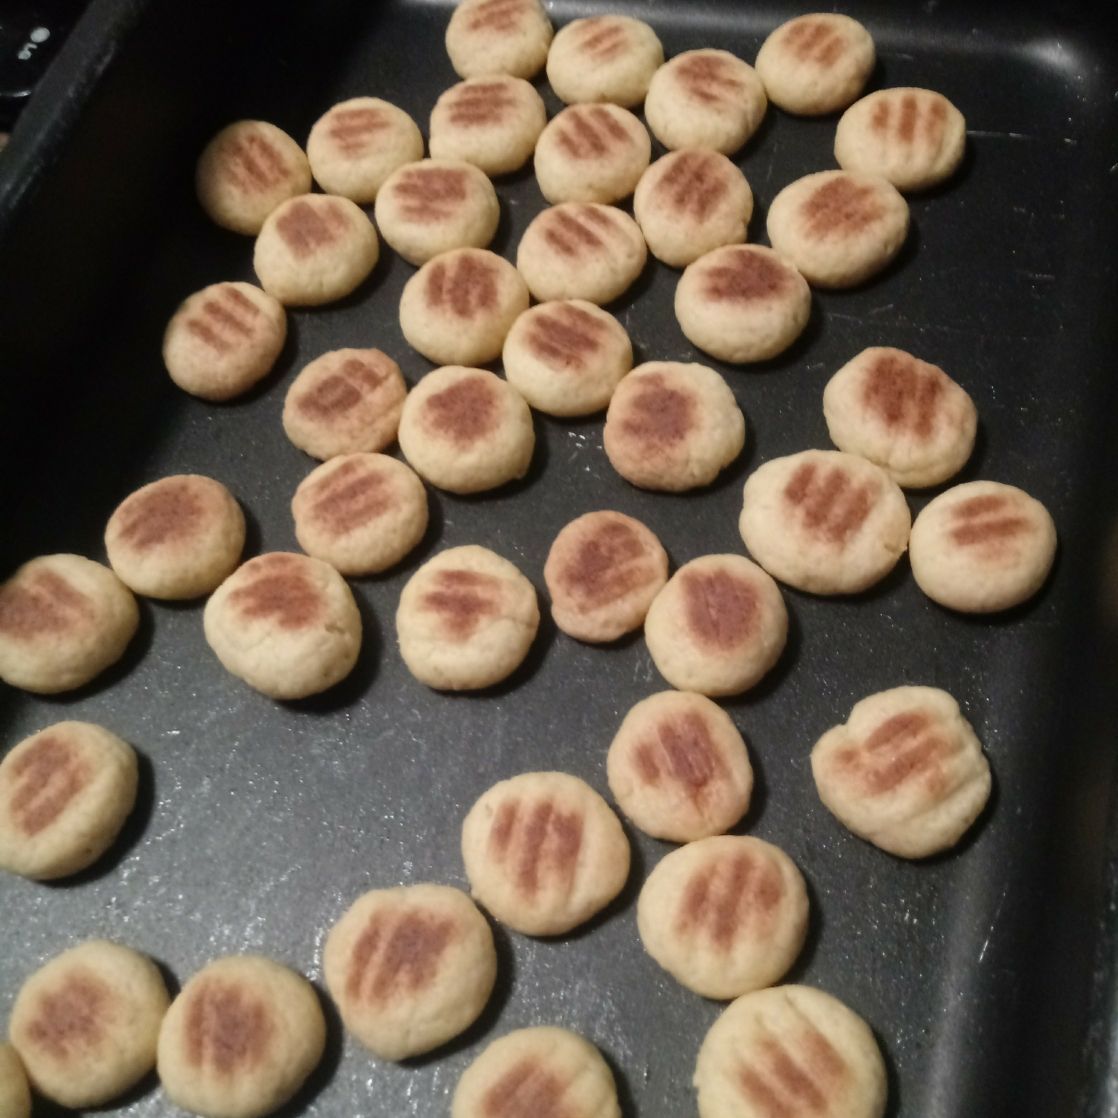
(604, 58)
(486, 37)
(15, 1094)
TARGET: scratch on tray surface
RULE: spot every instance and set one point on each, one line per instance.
(1000, 135)
(990, 930)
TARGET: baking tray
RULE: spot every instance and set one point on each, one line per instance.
(988, 973)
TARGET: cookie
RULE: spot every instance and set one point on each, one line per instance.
(223, 339)
(240, 1039)
(466, 430)
(567, 357)
(824, 521)
(913, 137)
(314, 249)
(705, 99)
(838, 228)
(466, 619)
(717, 627)
(906, 415)
(15, 1094)
(361, 513)
(602, 572)
(176, 538)
(533, 1073)
(544, 852)
(245, 171)
(498, 37)
(63, 620)
(982, 547)
(604, 58)
(816, 64)
(458, 308)
(678, 767)
(690, 202)
(493, 123)
(358, 143)
(742, 303)
(85, 1024)
(65, 793)
(286, 624)
(672, 426)
(435, 205)
(347, 401)
(409, 968)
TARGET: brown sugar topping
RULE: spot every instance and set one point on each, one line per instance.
(694, 184)
(465, 412)
(343, 389)
(608, 563)
(497, 15)
(276, 588)
(466, 286)
(745, 276)
(904, 392)
(904, 748)
(252, 164)
(168, 513)
(722, 611)
(307, 227)
(430, 194)
(527, 1090)
(681, 752)
(397, 953)
(463, 600)
(46, 778)
(350, 496)
(537, 843)
(920, 116)
(572, 230)
(657, 415)
(988, 522)
(831, 507)
(227, 1031)
(815, 41)
(482, 103)
(602, 38)
(590, 131)
(353, 130)
(709, 79)
(841, 208)
(565, 337)
(41, 603)
(729, 895)
(73, 1018)
(225, 320)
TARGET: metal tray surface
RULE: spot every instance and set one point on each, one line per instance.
(986, 973)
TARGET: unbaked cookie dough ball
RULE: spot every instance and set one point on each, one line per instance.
(498, 37)
(15, 1094)
(604, 58)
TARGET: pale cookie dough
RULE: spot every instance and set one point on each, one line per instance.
(791, 1050)
(905, 772)
(824, 521)
(358, 143)
(466, 430)
(176, 538)
(742, 303)
(361, 513)
(581, 250)
(223, 339)
(567, 357)
(602, 572)
(604, 58)
(678, 767)
(544, 852)
(286, 624)
(85, 1024)
(240, 1039)
(246, 170)
(838, 228)
(690, 202)
(409, 968)
(65, 793)
(63, 620)
(498, 37)
(345, 402)
(906, 415)
(466, 619)
(458, 308)
(718, 626)
(982, 547)
(15, 1094)
(705, 99)
(816, 64)
(672, 426)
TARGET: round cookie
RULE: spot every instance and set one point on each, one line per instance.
(361, 513)
(678, 767)
(602, 572)
(240, 1039)
(458, 308)
(466, 619)
(689, 202)
(672, 426)
(245, 171)
(223, 339)
(65, 793)
(15, 1094)
(982, 547)
(357, 144)
(567, 357)
(286, 624)
(905, 415)
(816, 64)
(824, 521)
(466, 430)
(63, 620)
(409, 968)
(85, 1024)
(705, 99)
(544, 852)
(498, 37)
(176, 538)
(717, 627)
(347, 401)
(794, 1048)
(838, 228)
(604, 58)
(742, 303)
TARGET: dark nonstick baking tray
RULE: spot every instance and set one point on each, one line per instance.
(987, 973)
